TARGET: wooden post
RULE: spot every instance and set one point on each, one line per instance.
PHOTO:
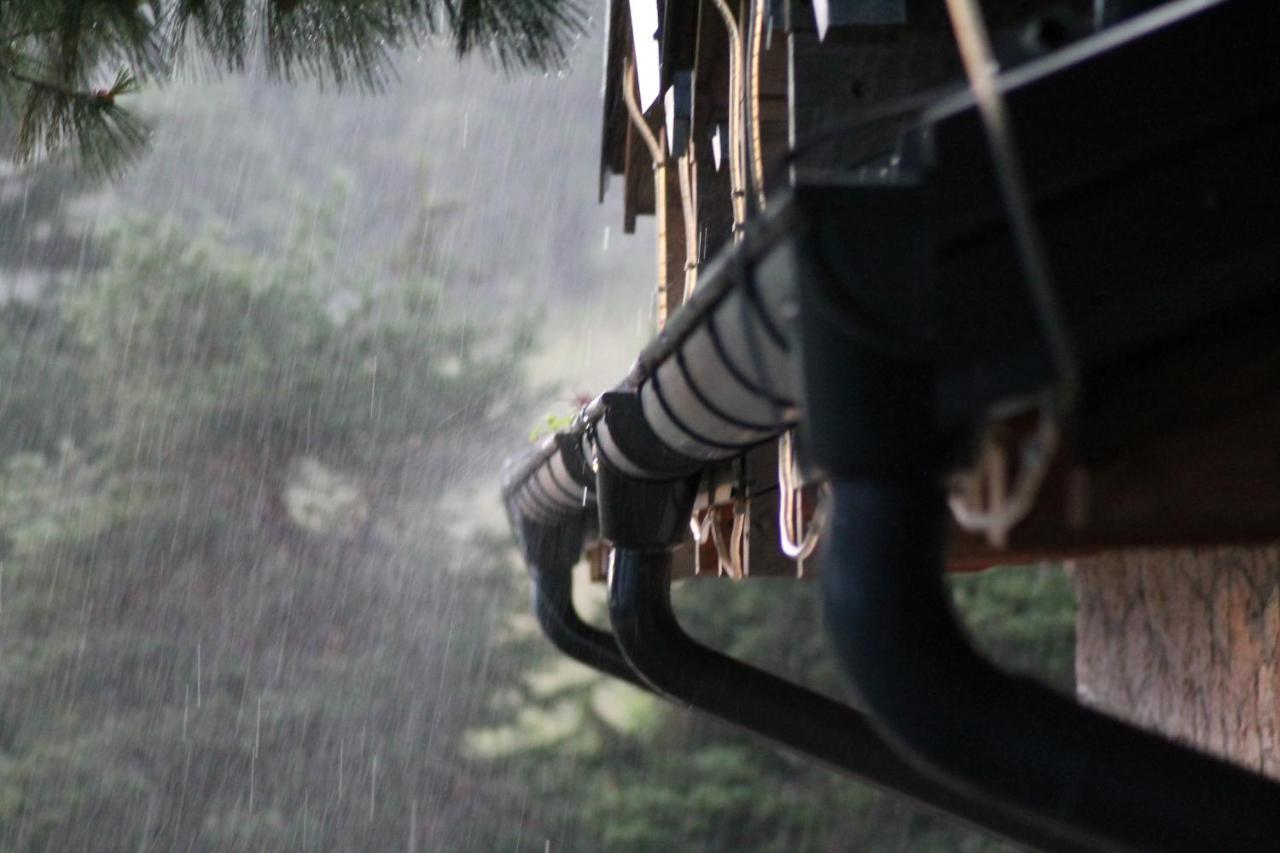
(1186, 643)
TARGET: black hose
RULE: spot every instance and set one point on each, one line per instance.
(691, 674)
(1100, 782)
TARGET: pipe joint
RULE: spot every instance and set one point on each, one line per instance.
(626, 442)
(644, 514)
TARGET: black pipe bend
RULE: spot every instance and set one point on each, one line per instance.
(1104, 783)
(691, 674)
(568, 632)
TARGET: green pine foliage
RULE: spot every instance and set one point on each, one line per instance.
(232, 613)
(65, 65)
(1024, 617)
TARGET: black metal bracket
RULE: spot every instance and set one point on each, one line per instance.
(643, 513)
(634, 437)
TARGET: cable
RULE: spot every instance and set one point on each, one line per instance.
(638, 119)
(731, 557)
(658, 155)
(737, 164)
(757, 150)
(684, 168)
(1004, 507)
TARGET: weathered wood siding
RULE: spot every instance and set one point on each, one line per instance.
(1186, 643)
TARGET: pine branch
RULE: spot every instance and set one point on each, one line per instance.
(57, 118)
(349, 43)
(24, 34)
(56, 47)
(516, 33)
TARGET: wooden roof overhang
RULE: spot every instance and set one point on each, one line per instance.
(1172, 444)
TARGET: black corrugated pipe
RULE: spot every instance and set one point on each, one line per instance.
(644, 520)
(1103, 783)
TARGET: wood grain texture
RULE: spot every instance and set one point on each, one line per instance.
(1186, 643)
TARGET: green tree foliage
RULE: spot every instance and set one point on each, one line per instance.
(1024, 618)
(231, 613)
(65, 65)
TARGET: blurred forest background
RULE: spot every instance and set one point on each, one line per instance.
(255, 593)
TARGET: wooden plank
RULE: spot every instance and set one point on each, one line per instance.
(638, 189)
(1176, 447)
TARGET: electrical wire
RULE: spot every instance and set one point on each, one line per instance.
(757, 149)
(732, 557)
(737, 162)
(982, 501)
(688, 210)
(659, 157)
(638, 119)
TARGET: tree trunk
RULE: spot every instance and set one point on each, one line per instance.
(1185, 643)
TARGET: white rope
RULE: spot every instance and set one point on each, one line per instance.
(797, 540)
(982, 501)
(733, 557)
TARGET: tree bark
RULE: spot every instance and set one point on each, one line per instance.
(1185, 643)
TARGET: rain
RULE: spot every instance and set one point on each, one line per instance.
(257, 587)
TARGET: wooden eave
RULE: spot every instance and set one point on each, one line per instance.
(637, 180)
(614, 124)
(622, 151)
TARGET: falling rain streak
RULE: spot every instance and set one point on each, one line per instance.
(255, 393)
